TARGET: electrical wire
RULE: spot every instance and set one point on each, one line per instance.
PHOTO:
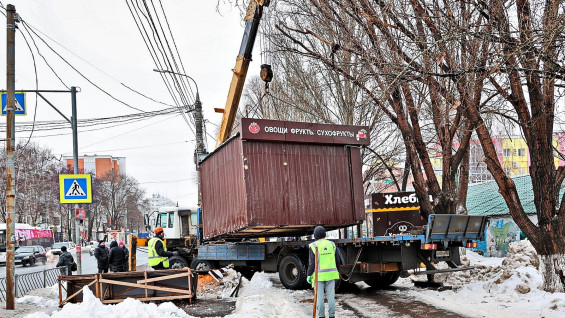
(36, 88)
(172, 37)
(136, 15)
(98, 69)
(44, 59)
(81, 74)
(81, 123)
(150, 26)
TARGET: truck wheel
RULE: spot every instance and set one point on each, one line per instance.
(382, 280)
(292, 272)
(177, 262)
(201, 265)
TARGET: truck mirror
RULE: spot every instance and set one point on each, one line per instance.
(146, 220)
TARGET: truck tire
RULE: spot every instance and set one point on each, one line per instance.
(201, 265)
(177, 262)
(292, 272)
(382, 280)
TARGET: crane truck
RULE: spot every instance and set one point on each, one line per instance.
(278, 180)
(378, 261)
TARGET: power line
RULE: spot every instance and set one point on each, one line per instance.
(148, 22)
(82, 75)
(97, 68)
(153, 53)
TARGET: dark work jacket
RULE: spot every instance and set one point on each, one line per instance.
(161, 251)
(101, 254)
(66, 259)
(126, 259)
(312, 261)
(116, 258)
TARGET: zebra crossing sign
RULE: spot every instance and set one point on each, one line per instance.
(75, 188)
(19, 104)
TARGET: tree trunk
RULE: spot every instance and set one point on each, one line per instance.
(552, 281)
(463, 184)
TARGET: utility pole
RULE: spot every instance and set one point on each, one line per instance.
(75, 171)
(10, 162)
(200, 150)
(198, 118)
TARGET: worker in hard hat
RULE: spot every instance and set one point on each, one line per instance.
(327, 255)
(157, 255)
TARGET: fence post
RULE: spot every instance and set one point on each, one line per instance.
(44, 278)
(16, 285)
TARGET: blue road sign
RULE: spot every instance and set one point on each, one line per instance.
(75, 188)
(20, 105)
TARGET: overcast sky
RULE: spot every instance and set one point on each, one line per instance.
(108, 49)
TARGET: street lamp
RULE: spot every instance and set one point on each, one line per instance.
(198, 123)
(175, 73)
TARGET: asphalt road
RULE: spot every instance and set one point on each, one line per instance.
(88, 263)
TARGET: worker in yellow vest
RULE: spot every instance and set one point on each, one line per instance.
(157, 255)
(329, 261)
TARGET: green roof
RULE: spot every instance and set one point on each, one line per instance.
(484, 199)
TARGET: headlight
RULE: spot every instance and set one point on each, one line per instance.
(26, 257)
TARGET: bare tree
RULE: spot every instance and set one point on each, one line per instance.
(308, 90)
(36, 184)
(117, 194)
(406, 58)
(526, 69)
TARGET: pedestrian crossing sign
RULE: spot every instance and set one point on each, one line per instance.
(75, 188)
(19, 104)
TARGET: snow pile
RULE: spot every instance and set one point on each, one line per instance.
(518, 271)
(259, 298)
(129, 308)
(37, 301)
(499, 287)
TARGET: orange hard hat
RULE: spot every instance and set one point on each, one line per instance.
(157, 230)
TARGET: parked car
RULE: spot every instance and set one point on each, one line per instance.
(56, 248)
(29, 255)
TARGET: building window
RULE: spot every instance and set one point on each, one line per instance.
(522, 170)
(522, 152)
(514, 164)
(506, 152)
(515, 152)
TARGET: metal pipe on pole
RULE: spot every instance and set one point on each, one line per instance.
(10, 150)
(75, 171)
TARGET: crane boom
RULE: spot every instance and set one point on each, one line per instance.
(252, 19)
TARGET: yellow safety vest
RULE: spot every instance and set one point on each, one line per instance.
(153, 259)
(327, 268)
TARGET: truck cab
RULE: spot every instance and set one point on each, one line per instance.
(180, 226)
(177, 222)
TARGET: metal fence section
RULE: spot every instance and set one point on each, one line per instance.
(30, 281)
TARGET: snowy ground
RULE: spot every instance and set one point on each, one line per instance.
(497, 287)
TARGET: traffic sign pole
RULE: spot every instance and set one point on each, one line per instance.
(75, 169)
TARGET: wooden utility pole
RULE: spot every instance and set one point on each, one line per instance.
(10, 162)
(315, 283)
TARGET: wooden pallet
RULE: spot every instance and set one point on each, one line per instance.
(113, 288)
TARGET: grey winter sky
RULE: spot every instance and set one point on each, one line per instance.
(101, 40)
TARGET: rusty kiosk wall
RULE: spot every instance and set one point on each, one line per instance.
(260, 187)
